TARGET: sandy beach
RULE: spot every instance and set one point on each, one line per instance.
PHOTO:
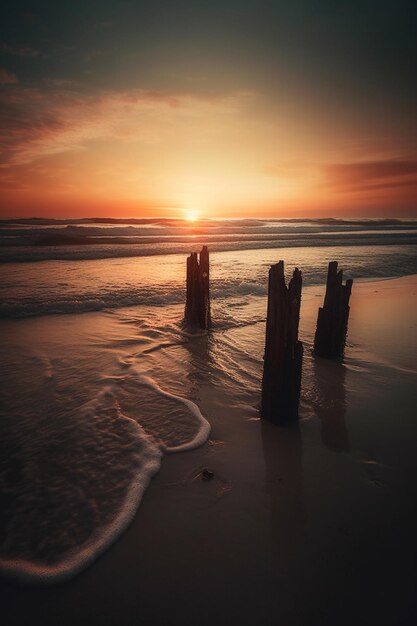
(304, 525)
(201, 422)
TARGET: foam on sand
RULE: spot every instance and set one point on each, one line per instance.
(188, 429)
(79, 481)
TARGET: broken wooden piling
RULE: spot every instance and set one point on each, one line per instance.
(281, 381)
(332, 320)
(197, 304)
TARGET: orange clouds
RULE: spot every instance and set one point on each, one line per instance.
(38, 123)
(142, 152)
(373, 175)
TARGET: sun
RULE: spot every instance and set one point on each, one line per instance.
(191, 215)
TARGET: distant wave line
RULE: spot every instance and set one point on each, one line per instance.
(116, 250)
(209, 221)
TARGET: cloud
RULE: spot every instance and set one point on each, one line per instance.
(289, 169)
(21, 51)
(59, 82)
(37, 123)
(383, 174)
(7, 78)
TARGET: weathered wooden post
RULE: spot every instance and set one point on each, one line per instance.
(281, 381)
(332, 320)
(205, 286)
(197, 304)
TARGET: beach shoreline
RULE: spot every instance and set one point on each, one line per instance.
(305, 525)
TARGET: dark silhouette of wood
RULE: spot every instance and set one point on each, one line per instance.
(197, 305)
(281, 381)
(332, 320)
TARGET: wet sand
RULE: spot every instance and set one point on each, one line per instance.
(313, 524)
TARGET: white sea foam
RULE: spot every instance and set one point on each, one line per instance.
(99, 478)
(202, 430)
(20, 250)
(38, 240)
(79, 286)
(159, 230)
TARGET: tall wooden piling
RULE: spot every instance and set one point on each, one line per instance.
(332, 320)
(281, 382)
(197, 304)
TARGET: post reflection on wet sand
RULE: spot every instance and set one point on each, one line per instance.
(200, 368)
(282, 449)
(329, 403)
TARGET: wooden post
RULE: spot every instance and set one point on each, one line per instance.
(332, 320)
(205, 287)
(281, 381)
(197, 305)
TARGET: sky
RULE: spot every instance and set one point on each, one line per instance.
(232, 108)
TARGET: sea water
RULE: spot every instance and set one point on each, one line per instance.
(100, 379)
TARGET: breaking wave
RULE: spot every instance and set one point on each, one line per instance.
(38, 240)
(77, 287)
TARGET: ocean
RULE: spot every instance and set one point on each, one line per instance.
(117, 264)
(101, 380)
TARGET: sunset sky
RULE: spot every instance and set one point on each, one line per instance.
(232, 108)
